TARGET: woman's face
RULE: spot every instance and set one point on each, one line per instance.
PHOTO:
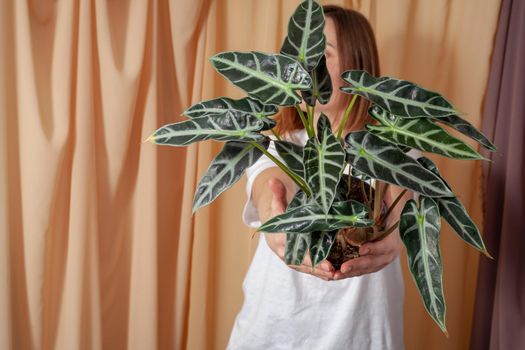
(331, 53)
(334, 107)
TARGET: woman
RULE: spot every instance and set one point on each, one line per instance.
(294, 307)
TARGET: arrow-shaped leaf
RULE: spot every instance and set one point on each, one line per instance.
(222, 127)
(225, 170)
(305, 41)
(382, 160)
(321, 85)
(467, 129)
(349, 211)
(419, 229)
(296, 243)
(399, 97)
(323, 164)
(419, 133)
(456, 215)
(271, 79)
(292, 154)
(243, 106)
(311, 218)
(320, 245)
(296, 248)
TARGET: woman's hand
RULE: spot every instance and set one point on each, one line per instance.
(376, 255)
(277, 241)
(373, 257)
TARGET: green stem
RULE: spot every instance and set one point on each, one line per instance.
(308, 117)
(349, 182)
(345, 117)
(302, 185)
(379, 195)
(393, 206)
(312, 118)
(275, 134)
(315, 92)
(305, 122)
(382, 234)
(365, 197)
(370, 192)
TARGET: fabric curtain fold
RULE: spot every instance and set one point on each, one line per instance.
(499, 321)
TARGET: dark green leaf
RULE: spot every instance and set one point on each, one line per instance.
(296, 243)
(243, 106)
(456, 215)
(305, 41)
(352, 212)
(419, 133)
(399, 97)
(310, 218)
(323, 164)
(296, 248)
(292, 154)
(271, 79)
(359, 175)
(320, 245)
(382, 160)
(299, 199)
(467, 129)
(419, 229)
(225, 170)
(430, 165)
(222, 127)
(321, 85)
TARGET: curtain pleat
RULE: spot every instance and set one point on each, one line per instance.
(499, 321)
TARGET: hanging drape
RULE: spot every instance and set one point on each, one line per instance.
(98, 248)
(499, 317)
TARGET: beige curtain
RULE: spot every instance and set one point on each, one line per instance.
(98, 248)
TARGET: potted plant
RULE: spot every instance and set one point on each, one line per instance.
(333, 213)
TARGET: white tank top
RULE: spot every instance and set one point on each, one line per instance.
(286, 309)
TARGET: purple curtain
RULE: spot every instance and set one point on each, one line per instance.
(499, 314)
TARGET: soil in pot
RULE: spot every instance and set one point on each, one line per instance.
(348, 240)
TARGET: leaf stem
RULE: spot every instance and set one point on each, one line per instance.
(309, 116)
(316, 98)
(393, 205)
(275, 134)
(345, 117)
(349, 182)
(382, 234)
(300, 182)
(365, 197)
(312, 110)
(305, 122)
(379, 195)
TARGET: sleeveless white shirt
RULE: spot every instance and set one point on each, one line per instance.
(286, 309)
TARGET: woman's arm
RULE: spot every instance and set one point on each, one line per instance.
(376, 255)
(271, 192)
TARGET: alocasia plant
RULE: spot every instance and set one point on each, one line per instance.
(331, 206)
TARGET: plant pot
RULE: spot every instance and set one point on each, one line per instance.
(348, 240)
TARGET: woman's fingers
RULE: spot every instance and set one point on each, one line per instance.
(326, 265)
(317, 272)
(373, 257)
(390, 244)
(277, 241)
(363, 265)
(323, 270)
